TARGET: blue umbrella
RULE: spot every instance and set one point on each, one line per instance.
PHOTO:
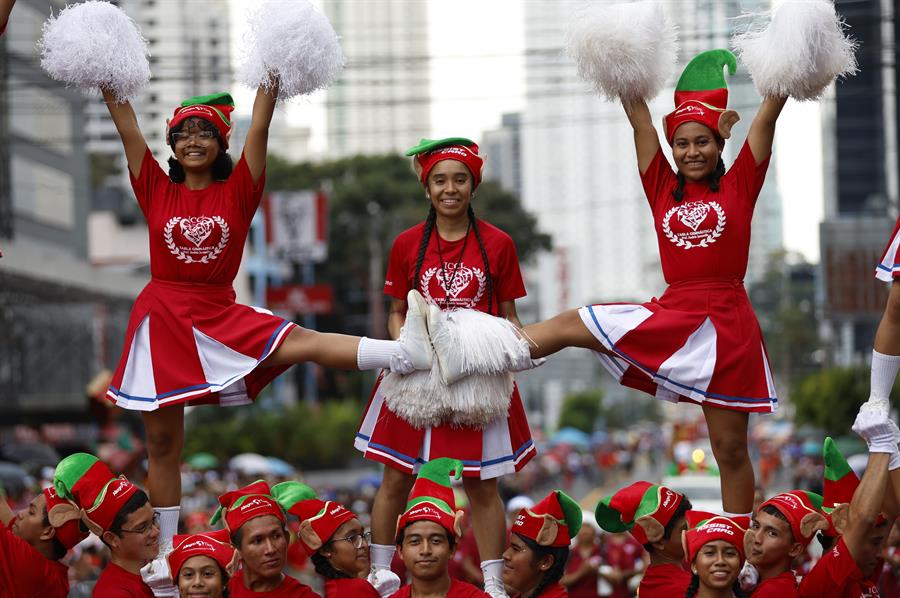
(572, 437)
(280, 468)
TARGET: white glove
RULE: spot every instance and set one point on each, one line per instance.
(157, 576)
(748, 577)
(385, 581)
(401, 365)
(875, 427)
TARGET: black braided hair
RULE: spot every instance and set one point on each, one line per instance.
(694, 587)
(423, 244)
(325, 568)
(552, 575)
(712, 179)
(484, 256)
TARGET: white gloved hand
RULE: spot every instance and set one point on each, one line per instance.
(874, 425)
(385, 581)
(401, 365)
(748, 577)
(157, 576)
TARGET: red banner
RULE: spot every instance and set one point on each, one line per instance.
(300, 299)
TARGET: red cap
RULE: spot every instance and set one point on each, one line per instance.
(803, 510)
(216, 545)
(431, 151)
(65, 516)
(708, 527)
(240, 506)
(552, 522)
(215, 108)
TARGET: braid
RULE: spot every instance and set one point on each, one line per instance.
(737, 590)
(678, 192)
(484, 256)
(717, 174)
(693, 586)
(325, 568)
(423, 245)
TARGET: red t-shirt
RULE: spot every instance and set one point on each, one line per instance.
(196, 236)
(452, 286)
(554, 591)
(289, 588)
(458, 589)
(586, 586)
(351, 588)
(116, 582)
(837, 575)
(26, 573)
(707, 234)
(780, 586)
(664, 581)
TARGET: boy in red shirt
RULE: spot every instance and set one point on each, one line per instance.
(781, 529)
(654, 515)
(31, 544)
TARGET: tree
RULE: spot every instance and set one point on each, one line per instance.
(580, 410)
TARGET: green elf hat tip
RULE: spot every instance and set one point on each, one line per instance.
(704, 72)
(702, 95)
(840, 479)
(222, 98)
(428, 145)
(288, 494)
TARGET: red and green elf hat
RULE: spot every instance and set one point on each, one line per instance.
(803, 510)
(90, 484)
(552, 522)
(431, 497)
(65, 516)
(643, 509)
(216, 545)
(431, 151)
(703, 528)
(215, 108)
(319, 519)
(240, 506)
(702, 95)
(840, 484)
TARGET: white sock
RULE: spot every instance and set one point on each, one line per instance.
(884, 372)
(374, 354)
(492, 570)
(381, 555)
(730, 515)
(168, 523)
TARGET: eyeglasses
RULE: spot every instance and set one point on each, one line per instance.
(144, 528)
(357, 540)
(184, 135)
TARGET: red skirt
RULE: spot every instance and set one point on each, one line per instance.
(191, 343)
(889, 267)
(502, 447)
(699, 342)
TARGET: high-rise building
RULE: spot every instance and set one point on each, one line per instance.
(862, 128)
(503, 148)
(579, 170)
(381, 100)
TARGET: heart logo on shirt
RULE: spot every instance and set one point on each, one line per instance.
(693, 214)
(196, 230)
(458, 278)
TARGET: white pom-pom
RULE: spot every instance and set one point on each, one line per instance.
(801, 51)
(293, 40)
(95, 45)
(625, 51)
(480, 343)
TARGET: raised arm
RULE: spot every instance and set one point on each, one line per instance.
(867, 503)
(257, 141)
(762, 130)
(6, 7)
(646, 140)
(127, 125)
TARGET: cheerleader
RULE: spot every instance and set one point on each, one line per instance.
(456, 261)
(714, 547)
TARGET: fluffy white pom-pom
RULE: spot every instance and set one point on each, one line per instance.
(801, 51)
(625, 51)
(294, 40)
(93, 45)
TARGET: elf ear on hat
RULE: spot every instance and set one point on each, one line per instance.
(803, 511)
(240, 506)
(216, 545)
(65, 516)
(215, 108)
(643, 509)
(431, 497)
(89, 483)
(702, 95)
(319, 519)
(552, 522)
(708, 527)
(431, 151)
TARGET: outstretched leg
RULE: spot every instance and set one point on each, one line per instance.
(886, 352)
(728, 435)
(559, 332)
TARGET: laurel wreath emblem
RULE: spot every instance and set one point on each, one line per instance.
(707, 240)
(429, 274)
(188, 259)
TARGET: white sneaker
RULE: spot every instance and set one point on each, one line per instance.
(494, 588)
(448, 354)
(414, 334)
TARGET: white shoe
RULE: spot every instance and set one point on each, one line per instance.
(414, 334)
(494, 588)
(448, 354)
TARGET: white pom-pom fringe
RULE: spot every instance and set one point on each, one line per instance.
(625, 51)
(801, 51)
(422, 399)
(293, 40)
(95, 45)
(482, 343)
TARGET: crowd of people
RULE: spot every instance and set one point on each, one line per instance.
(445, 405)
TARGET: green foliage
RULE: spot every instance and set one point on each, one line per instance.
(580, 410)
(371, 200)
(306, 436)
(830, 398)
